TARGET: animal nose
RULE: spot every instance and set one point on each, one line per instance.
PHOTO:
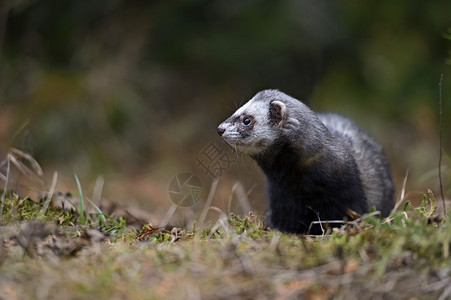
(221, 130)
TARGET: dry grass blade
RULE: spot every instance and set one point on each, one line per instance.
(96, 195)
(8, 169)
(98, 189)
(220, 223)
(446, 293)
(33, 163)
(168, 216)
(207, 205)
(14, 156)
(403, 193)
(50, 194)
(241, 194)
(221, 213)
(274, 241)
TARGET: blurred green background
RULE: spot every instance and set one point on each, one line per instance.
(134, 90)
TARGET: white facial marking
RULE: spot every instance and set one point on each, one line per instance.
(243, 108)
(254, 139)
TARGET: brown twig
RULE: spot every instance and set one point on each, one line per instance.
(441, 144)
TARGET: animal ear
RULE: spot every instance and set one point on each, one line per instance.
(277, 113)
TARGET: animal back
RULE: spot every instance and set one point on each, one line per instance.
(370, 158)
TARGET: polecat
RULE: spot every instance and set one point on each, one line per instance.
(319, 167)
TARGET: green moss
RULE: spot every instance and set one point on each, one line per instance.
(240, 258)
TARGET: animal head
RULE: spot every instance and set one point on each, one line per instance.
(260, 122)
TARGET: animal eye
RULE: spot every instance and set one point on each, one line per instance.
(247, 121)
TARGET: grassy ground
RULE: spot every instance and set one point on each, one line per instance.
(61, 253)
